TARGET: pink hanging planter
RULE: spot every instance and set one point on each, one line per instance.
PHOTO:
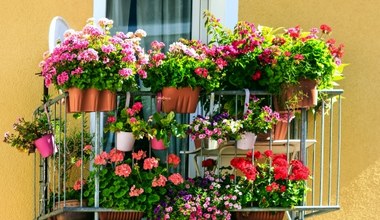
(44, 145)
(158, 144)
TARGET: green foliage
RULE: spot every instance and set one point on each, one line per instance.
(163, 125)
(186, 64)
(276, 182)
(26, 132)
(259, 118)
(128, 120)
(130, 188)
(265, 58)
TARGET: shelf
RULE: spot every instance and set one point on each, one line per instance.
(278, 147)
(229, 150)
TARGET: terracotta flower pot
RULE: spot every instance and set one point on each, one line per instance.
(280, 130)
(180, 100)
(74, 103)
(281, 127)
(301, 95)
(258, 215)
(106, 101)
(44, 145)
(124, 141)
(120, 215)
(90, 100)
(209, 144)
(72, 215)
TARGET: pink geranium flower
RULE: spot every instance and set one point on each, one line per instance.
(123, 170)
(150, 163)
(173, 160)
(160, 181)
(176, 178)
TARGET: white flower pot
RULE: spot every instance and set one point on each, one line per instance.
(247, 141)
(212, 144)
(124, 141)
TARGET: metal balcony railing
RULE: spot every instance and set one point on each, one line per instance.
(314, 137)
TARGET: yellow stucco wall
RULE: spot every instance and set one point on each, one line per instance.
(356, 24)
(24, 37)
(25, 25)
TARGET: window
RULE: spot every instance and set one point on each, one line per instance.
(163, 20)
(178, 17)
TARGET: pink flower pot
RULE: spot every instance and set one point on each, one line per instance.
(124, 141)
(45, 145)
(157, 144)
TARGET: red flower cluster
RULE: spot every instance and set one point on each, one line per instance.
(246, 166)
(325, 29)
(202, 72)
(256, 75)
(279, 164)
(173, 160)
(299, 171)
(209, 163)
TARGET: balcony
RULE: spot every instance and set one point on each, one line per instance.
(314, 137)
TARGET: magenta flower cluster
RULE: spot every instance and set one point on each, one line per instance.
(93, 58)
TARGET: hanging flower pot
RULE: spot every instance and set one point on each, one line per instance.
(121, 215)
(281, 127)
(90, 100)
(45, 145)
(247, 141)
(106, 101)
(211, 144)
(180, 100)
(296, 96)
(208, 143)
(258, 215)
(157, 144)
(124, 141)
(74, 103)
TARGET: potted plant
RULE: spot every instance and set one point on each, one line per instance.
(213, 131)
(30, 135)
(129, 184)
(93, 59)
(128, 126)
(184, 69)
(238, 51)
(162, 126)
(272, 183)
(209, 197)
(257, 120)
(292, 64)
(304, 62)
